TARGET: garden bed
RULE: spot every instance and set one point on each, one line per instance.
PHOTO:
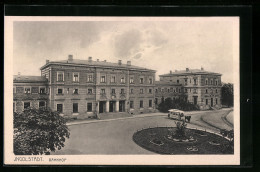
(159, 140)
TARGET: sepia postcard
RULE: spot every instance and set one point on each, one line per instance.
(121, 91)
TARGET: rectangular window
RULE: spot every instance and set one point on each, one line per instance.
(113, 79)
(141, 91)
(216, 101)
(89, 91)
(60, 108)
(26, 105)
(131, 80)
(13, 106)
(185, 81)
(206, 101)
(201, 100)
(141, 104)
(89, 107)
(141, 80)
(122, 80)
(216, 82)
(178, 81)
(171, 89)
(150, 80)
(131, 104)
(216, 90)
(211, 82)
(76, 91)
(168, 90)
(75, 77)
(27, 90)
(132, 91)
(41, 104)
(206, 82)
(179, 90)
(150, 91)
(103, 79)
(60, 91)
(60, 76)
(90, 78)
(122, 91)
(113, 91)
(156, 90)
(195, 81)
(206, 90)
(150, 103)
(156, 101)
(75, 107)
(103, 91)
(42, 90)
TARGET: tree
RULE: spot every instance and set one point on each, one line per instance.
(227, 94)
(176, 104)
(39, 131)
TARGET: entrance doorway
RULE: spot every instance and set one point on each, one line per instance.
(112, 106)
(102, 106)
(121, 106)
(211, 102)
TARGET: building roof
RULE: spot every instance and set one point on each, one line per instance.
(166, 83)
(28, 79)
(95, 64)
(191, 71)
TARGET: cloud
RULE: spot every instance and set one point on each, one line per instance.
(128, 43)
(156, 38)
(137, 56)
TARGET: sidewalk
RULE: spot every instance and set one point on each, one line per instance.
(87, 121)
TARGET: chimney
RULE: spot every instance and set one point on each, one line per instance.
(70, 57)
(170, 72)
(47, 61)
(187, 69)
(202, 68)
(128, 63)
(119, 62)
(90, 59)
(97, 60)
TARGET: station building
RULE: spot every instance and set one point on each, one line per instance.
(84, 88)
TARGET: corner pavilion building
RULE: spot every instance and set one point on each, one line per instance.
(200, 87)
(85, 87)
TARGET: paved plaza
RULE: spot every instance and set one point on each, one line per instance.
(114, 136)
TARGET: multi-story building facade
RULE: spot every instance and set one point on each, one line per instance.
(29, 91)
(83, 88)
(199, 87)
(167, 89)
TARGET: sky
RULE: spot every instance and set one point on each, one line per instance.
(158, 45)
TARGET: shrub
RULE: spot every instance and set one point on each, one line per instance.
(176, 104)
(39, 131)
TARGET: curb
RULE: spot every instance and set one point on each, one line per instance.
(115, 119)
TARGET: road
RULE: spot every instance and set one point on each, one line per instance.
(115, 136)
